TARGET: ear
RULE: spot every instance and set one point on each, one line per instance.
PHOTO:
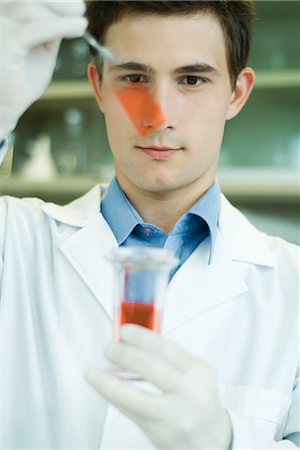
(243, 87)
(95, 81)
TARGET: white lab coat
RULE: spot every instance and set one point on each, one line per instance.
(239, 313)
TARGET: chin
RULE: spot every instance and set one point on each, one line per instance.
(158, 185)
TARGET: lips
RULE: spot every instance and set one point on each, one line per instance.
(157, 152)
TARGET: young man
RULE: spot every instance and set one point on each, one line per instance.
(224, 374)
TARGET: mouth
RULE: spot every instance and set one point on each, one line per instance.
(156, 152)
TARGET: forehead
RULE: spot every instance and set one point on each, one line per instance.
(168, 40)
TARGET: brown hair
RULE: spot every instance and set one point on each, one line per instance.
(235, 18)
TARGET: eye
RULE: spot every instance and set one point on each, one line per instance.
(192, 80)
(134, 78)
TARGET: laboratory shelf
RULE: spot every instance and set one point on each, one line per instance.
(272, 79)
(249, 185)
(68, 89)
(54, 189)
(261, 184)
(81, 89)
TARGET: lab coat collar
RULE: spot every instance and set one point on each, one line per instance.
(80, 211)
(245, 243)
(87, 247)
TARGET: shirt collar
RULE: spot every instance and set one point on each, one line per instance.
(118, 212)
(123, 218)
(208, 208)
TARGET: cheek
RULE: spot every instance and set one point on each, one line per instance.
(210, 107)
(116, 120)
(204, 124)
(123, 114)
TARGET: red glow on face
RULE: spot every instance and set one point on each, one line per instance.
(141, 108)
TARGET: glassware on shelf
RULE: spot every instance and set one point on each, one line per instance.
(72, 155)
(72, 60)
(40, 165)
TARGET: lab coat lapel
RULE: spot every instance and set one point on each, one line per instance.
(198, 286)
(87, 247)
(87, 250)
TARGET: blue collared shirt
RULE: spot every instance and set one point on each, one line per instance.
(197, 224)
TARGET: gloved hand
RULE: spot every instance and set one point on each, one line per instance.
(31, 33)
(188, 413)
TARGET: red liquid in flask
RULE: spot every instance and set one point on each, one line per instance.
(142, 314)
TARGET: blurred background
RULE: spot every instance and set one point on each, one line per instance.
(60, 150)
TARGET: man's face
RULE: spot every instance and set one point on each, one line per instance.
(182, 61)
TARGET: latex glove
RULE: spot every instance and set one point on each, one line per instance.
(187, 414)
(31, 33)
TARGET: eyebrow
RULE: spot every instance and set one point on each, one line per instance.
(196, 68)
(137, 67)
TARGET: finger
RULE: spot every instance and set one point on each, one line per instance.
(65, 7)
(123, 395)
(148, 365)
(33, 23)
(145, 339)
(29, 10)
(51, 30)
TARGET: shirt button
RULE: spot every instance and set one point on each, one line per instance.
(147, 231)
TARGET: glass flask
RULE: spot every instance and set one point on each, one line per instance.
(140, 281)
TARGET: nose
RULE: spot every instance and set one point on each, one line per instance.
(159, 109)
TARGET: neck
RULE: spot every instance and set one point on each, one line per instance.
(163, 209)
